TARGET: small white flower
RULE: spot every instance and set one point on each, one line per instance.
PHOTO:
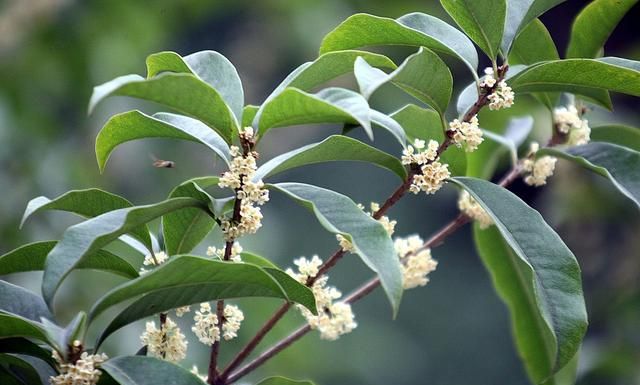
(467, 134)
(489, 79)
(83, 372)
(149, 260)
(236, 251)
(537, 170)
(206, 325)
(167, 343)
(501, 97)
(471, 208)
(568, 121)
(432, 178)
(182, 310)
(233, 317)
(416, 261)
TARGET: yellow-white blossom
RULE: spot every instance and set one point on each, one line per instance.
(416, 261)
(489, 80)
(149, 260)
(501, 97)
(167, 342)
(388, 224)
(236, 250)
(206, 323)
(431, 179)
(334, 318)
(251, 193)
(423, 155)
(182, 310)
(537, 170)
(83, 372)
(466, 134)
(471, 208)
(233, 317)
(569, 122)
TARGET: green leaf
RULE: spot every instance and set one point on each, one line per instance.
(619, 164)
(581, 76)
(423, 75)
(624, 136)
(31, 257)
(89, 236)
(519, 14)
(24, 370)
(25, 347)
(184, 93)
(340, 215)
(426, 124)
(248, 114)
(183, 230)
(132, 125)
(332, 105)
(483, 21)
(594, 24)
(391, 125)
(545, 267)
(533, 45)
(166, 61)
(328, 66)
(334, 148)
(185, 280)
(12, 326)
(22, 302)
(87, 203)
(257, 260)
(413, 29)
(142, 370)
(283, 381)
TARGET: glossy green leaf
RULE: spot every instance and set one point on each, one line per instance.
(185, 280)
(413, 29)
(87, 203)
(142, 370)
(183, 230)
(617, 134)
(340, 215)
(426, 124)
(545, 266)
(593, 26)
(332, 105)
(519, 14)
(533, 45)
(581, 76)
(25, 347)
(256, 259)
(16, 300)
(334, 148)
(166, 61)
(31, 257)
(423, 75)
(328, 66)
(386, 122)
(89, 236)
(283, 381)
(182, 92)
(483, 21)
(248, 114)
(619, 164)
(132, 125)
(24, 370)
(12, 326)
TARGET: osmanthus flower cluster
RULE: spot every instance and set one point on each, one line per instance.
(177, 286)
(570, 123)
(82, 372)
(249, 192)
(334, 317)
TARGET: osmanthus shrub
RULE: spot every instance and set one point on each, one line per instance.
(532, 270)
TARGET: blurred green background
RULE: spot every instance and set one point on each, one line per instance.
(453, 331)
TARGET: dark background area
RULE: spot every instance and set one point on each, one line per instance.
(453, 331)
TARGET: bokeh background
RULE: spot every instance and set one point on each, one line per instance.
(453, 331)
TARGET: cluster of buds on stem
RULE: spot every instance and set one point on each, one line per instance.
(82, 370)
(570, 127)
(537, 169)
(167, 342)
(426, 158)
